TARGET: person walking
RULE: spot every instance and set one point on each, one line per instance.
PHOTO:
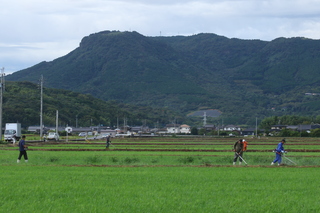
(23, 149)
(108, 142)
(279, 150)
(239, 147)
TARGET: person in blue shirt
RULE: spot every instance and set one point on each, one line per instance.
(279, 150)
(23, 149)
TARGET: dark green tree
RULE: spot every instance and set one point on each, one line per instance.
(194, 131)
(315, 133)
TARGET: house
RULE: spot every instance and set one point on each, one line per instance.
(81, 129)
(173, 128)
(110, 132)
(231, 128)
(252, 131)
(248, 131)
(162, 131)
(304, 127)
(315, 126)
(292, 127)
(184, 128)
(34, 128)
(177, 128)
(137, 129)
(300, 127)
(209, 127)
(278, 127)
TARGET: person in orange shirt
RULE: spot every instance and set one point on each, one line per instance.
(239, 147)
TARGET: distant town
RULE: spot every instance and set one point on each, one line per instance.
(180, 129)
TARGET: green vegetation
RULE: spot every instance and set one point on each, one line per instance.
(158, 189)
(195, 151)
(244, 79)
(195, 176)
(21, 103)
(288, 120)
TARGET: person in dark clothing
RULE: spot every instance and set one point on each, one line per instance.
(23, 149)
(238, 148)
(108, 142)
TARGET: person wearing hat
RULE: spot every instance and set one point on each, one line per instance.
(239, 147)
(279, 150)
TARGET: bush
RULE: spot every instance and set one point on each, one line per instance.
(185, 160)
(315, 133)
(131, 160)
(202, 132)
(194, 131)
(53, 159)
(305, 134)
(154, 161)
(114, 160)
(288, 133)
(93, 160)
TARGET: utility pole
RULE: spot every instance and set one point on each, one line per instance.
(117, 122)
(41, 105)
(57, 121)
(1, 93)
(256, 127)
(125, 125)
(157, 127)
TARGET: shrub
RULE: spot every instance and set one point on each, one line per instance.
(154, 161)
(131, 160)
(53, 159)
(185, 160)
(194, 131)
(114, 160)
(93, 160)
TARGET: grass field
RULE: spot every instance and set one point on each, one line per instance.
(160, 175)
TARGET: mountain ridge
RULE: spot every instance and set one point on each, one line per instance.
(242, 78)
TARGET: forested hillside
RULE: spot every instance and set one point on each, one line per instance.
(21, 103)
(244, 79)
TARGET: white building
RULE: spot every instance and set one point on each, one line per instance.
(177, 128)
(173, 128)
(184, 128)
(231, 128)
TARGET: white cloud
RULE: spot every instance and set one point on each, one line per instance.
(15, 57)
(52, 28)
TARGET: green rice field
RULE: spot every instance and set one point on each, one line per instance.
(160, 175)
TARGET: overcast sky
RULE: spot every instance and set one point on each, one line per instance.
(43, 30)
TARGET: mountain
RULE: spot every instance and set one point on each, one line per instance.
(243, 79)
